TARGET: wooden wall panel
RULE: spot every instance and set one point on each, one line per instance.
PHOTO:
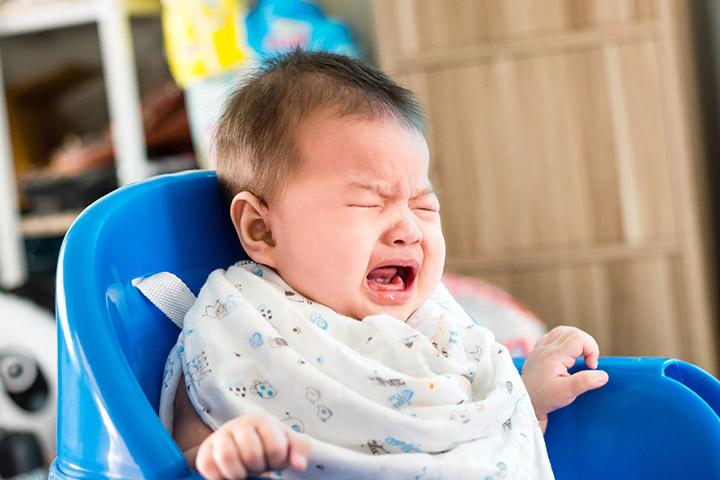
(421, 25)
(566, 149)
(562, 144)
(631, 307)
(641, 142)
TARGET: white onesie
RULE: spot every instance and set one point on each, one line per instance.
(431, 398)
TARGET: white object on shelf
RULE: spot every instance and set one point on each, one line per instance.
(121, 79)
(115, 38)
(19, 17)
(13, 269)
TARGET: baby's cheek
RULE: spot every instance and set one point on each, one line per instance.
(434, 251)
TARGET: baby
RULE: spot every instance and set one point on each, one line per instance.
(342, 309)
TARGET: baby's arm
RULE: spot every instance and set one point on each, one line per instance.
(545, 372)
(250, 444)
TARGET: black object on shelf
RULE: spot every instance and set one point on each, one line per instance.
(42, 255)
(56, 194)
(19, 453)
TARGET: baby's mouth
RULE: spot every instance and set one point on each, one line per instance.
(392, 277)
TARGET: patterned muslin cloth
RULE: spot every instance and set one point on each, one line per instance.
(431, 398)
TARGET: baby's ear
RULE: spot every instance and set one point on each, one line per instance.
(250, 218)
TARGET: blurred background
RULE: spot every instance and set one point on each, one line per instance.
(573, 141)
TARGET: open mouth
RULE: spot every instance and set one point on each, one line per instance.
(392, 277)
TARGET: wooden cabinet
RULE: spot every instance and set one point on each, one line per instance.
(563, 141)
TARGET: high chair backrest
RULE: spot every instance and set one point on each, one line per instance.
(112, 342)
(656, 418)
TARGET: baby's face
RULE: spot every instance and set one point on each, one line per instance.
(357, 228)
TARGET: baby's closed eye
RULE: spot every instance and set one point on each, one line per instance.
(427, 209)
(426, 205)
(366, 205)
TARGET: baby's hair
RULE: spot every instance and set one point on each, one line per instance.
(254, 144)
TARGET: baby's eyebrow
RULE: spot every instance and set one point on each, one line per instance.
(386, 192)
(374, 187)
(426, 191)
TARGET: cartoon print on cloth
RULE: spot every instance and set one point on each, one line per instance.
(265, 312)
(460, 416)
(375, 447)
(256, 340)
(264, 389)
(255, 268)
(501, 470)
(293, 423)
(277, 342)
(470, 376)
(410, 340)
(238, 390)
(296, 297)
(370, 395)
(429, 473)
(507, 387)
(323, 412)
(319, 320)
(221, 309)
(402, 445)
(401, 398)
(196, 369)
(507, 426)
(440, 349)
(312, 394)
(168, 373)
(475, 352)
(386, 382)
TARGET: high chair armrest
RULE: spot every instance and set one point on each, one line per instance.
(655, 418)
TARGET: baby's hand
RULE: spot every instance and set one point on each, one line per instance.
(545, 372)
(251, 445)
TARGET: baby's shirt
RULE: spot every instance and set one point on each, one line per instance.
(431, 398)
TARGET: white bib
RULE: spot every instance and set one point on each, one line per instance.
(431, 398)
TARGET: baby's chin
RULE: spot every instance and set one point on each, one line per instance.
(401, 312)
(364, 307)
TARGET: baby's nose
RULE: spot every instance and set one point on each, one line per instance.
(404, 232)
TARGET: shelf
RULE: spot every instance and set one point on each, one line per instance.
(18, 16)
(114, 35)
(47, 225)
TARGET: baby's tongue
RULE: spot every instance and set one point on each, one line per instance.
(385, 278)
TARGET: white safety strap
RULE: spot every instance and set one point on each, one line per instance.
(168, 293)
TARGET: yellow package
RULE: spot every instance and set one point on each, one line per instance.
(203, 37)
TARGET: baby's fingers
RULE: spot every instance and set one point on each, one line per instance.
(250, 449)
(585, 380)
(275, 444)
(227, 458)
(205, 463)
(299, 451)
(581, 343)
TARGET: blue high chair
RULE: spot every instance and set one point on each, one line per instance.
(656, 418)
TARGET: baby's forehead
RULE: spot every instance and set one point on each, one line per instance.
(375, 152)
